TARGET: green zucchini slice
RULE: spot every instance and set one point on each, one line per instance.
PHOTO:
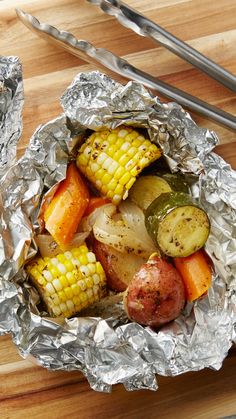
(146, 189)
(176, 181)
(177, 224)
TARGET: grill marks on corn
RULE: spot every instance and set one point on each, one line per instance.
(111, 160)
(68, 282)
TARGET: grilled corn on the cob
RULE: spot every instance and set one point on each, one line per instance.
(68, 282)
(111, 160)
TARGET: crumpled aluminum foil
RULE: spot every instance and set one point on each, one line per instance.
(11, 102)
(109, 349)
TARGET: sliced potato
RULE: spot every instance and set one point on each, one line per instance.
(119, 267)
(146, 189)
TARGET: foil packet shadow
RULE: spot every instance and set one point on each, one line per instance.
(109, 349)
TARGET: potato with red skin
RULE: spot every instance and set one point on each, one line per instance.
(119, 267)
(156, 294)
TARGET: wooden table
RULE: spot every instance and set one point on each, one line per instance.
(28, 390)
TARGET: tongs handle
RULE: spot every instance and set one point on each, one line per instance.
(107, 59)
(144, 26)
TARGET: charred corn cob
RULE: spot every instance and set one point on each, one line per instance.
(68, 282)
(112, 159)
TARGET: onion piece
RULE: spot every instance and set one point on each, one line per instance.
(128, 235)
(49, 248)
(134, 218)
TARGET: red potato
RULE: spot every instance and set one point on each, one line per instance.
(119, 267)
(156, 294)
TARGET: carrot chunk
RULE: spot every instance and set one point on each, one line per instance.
(63, 214)
(196, 274)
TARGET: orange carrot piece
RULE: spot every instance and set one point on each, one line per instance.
(96, 202)
(196, 274)
(63, 214)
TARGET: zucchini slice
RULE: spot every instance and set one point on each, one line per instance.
(177, 224)
(146, 189)
(176, 181)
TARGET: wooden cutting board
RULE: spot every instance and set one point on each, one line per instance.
(209, 26)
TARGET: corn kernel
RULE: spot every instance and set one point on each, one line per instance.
(122, 133)
(63, 307)
(83, 259)
(54, 271)
(75, 289)
(119, 189)
(68, 255)
(70, 306)
(132, 151)
(69, 265)
(56, 311)
(89, 172)
(110, 194)
(94, 167)
(49, 288)
(83, 248)
(130, 183)
(112, 138)
(63, 280)
(76, 252)
(112, 185)
(55, 299)
(104, 190)
(82, 284)
(90, 293)
(125, 178)
(62, 296)
(41, 280)
(124, 159)
(106, 179)
(61, 268)
(76, 301)
(101, 158)
(112, 168)
(82, 160)
(57, 285)
(118, 154)
(96, 279)
(89, 282)
(87, 151)
(125, 146)
(84, 270)
(99, 268)
(103, 134)
(70, 277)
(61, 258)
(68, 292)
(119, 172)
(83, 297)
(92, 268)
(91, 257)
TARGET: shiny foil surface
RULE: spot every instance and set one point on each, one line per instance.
(11, 102)
(108, 349)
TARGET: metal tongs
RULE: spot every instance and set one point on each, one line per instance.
(143, 26)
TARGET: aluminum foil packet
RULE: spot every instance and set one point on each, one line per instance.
(11, 102)
(109, 349)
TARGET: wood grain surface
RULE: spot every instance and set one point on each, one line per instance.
(209, 26)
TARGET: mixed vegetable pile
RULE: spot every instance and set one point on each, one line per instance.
(115, 226)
